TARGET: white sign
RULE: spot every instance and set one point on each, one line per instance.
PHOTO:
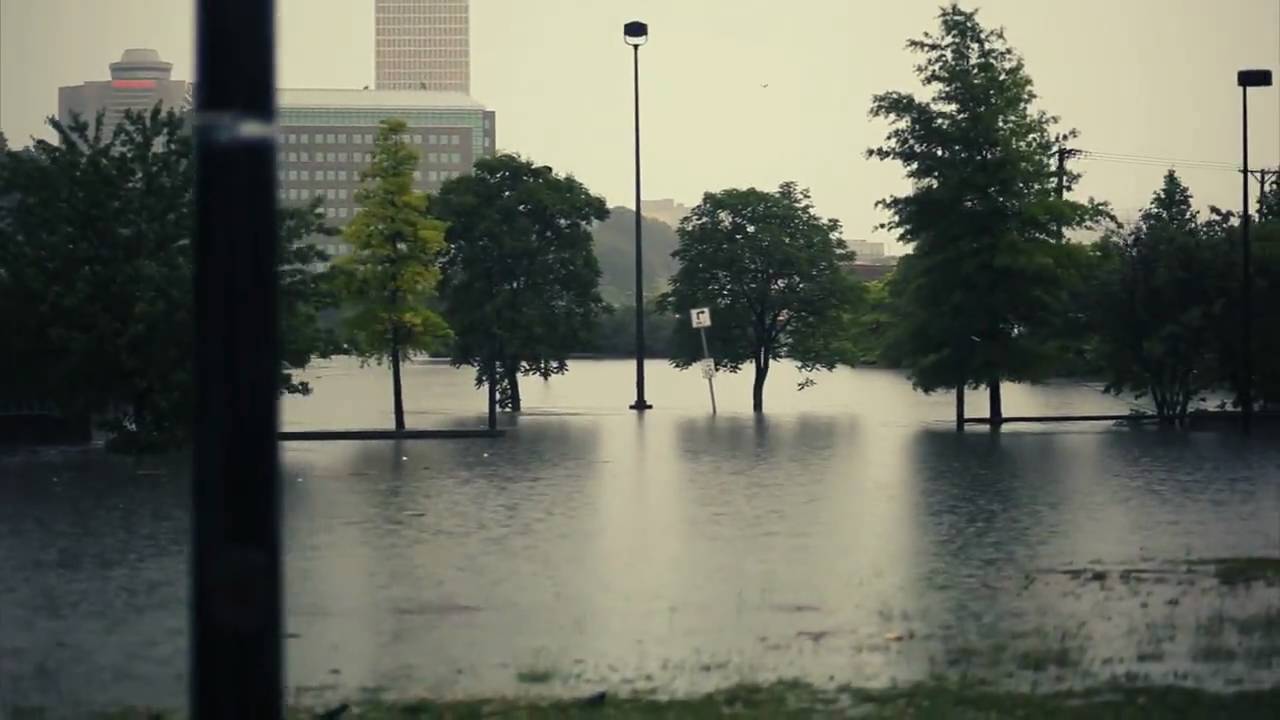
(708, 368)
(701, 317)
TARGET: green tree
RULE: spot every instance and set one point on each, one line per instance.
(306, 290)
(520, 282)
(979, 292)
(391, 271)
(1160, 301)
(95, 247)
(770, 269)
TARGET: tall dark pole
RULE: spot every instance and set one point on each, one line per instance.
(1062, 183)
(1246, 275)
(235, 596)
(639, 32)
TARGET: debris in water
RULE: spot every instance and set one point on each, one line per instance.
(404, 457)
(415, 513)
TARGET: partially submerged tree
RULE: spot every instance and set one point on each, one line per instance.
(1159, 302)
(982, 285)
(520, 283)
(770, 270)
(306, 290)
(391, 270)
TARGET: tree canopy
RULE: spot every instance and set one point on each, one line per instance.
(770, 270)
(391, 271)
(521, 284)
(982, 287)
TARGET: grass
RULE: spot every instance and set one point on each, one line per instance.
(795, 700)
(1245, 570)
(784, 700)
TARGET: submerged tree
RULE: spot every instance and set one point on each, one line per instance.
(978, 295)
(391, 271)
(520, 283)
(770, 269)
(1160, 299)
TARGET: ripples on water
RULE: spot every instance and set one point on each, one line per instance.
(848, 535)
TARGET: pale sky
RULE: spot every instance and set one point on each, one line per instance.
(1137, 77)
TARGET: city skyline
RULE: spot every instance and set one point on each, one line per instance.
(1157, 81)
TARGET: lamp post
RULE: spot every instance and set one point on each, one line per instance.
(636, 33)
(1247, 79)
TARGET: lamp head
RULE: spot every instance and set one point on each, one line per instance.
(1253, 78)
(635, 33)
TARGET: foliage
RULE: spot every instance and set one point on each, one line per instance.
(520, 285)
(391, 271)
(615, 247)
(770, 270)
(978, 295)
(615, 332)
(96, 236)
(306, 290)
(1158, 301)
(95, 248)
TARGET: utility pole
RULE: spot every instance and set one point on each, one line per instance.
(1064, 152)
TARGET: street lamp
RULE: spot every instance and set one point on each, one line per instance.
(1247, 79)
(636, 33)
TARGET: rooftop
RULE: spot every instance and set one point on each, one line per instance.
(344, 98)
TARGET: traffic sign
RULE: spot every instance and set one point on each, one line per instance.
(701, 317)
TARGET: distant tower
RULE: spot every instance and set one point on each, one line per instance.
(138, 81)
(423, 45)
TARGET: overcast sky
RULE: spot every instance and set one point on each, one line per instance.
(1137, 77)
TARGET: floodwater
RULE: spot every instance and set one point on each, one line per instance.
(848, 535)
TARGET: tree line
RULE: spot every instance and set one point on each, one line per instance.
(497, 270)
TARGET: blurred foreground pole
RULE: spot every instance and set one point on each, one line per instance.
(236, 580)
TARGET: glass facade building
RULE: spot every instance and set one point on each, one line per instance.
(422, 45)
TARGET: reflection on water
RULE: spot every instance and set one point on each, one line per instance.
(846, 535)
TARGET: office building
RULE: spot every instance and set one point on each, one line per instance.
(326, 140)
(869, 253)
(422, 45)
(138, 81)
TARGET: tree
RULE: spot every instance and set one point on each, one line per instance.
(305, 292)
(391, 270)
(95, 248)
(769, 267)
(979, 292)
(520, 282)
(615, 247)
(1160, 301)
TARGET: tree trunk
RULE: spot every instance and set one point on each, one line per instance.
(513, 385)
(492, 376)
(398, 396)
(960, 407)
(757, 389)
(997, 411)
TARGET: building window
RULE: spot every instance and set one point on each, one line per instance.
(488, 141)
(293, 157)
(342, 157)
(331, 175)
(454, 139)
(329, 212)
(342, 193)
(342, 138)
(342, 212)
(368, 157)
(432, 176)
(293, 193)
(305, 194)
(417, 174)
(455, 158)
(331, 139)
(431, 139)
(304, 138)
(417, 139)
(368, 139)
(333, 157)
(304, 157)
(293, 174)
(342, 175)
(319, 138)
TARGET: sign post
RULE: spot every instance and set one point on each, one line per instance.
(701, 318)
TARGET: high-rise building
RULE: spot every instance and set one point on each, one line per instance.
(423, 45)
(138, 81)
(326, 140)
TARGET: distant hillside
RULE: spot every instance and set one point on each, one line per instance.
(616, 251)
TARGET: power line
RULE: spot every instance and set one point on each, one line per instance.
(1149, 161)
